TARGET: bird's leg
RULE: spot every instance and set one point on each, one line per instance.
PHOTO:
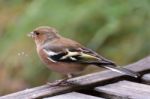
(70, 76)
(62, 82)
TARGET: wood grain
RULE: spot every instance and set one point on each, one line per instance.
(74, 95)
(125, 90)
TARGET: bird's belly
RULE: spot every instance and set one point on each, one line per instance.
(66, 68)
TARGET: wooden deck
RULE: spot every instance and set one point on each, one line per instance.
(101, 85)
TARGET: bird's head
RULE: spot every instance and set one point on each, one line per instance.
(43, 34)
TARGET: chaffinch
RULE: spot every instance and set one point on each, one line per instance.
(69, 57)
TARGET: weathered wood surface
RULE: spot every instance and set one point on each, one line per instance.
(125, 90)
(89, 80)
(74, 95)
(146, 78)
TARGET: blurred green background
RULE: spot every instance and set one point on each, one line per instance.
(117, 29)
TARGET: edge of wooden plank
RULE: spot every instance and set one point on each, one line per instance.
(74, 95)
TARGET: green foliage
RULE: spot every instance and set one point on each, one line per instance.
(118, 29)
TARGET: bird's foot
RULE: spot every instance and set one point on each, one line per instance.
(62, 82)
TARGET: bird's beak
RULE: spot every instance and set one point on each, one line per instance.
(31, 34)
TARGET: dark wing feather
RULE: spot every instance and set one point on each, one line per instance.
(101, 60)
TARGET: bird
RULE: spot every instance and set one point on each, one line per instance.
(67, 56)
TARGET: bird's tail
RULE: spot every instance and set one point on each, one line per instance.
(112, 66)
(122, 71)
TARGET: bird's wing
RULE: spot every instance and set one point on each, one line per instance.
(79, 55)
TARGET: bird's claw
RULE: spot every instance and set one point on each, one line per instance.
(63, 82)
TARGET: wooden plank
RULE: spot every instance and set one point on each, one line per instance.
(85, 82)
(146, 78)
(125, 90)
(74, 95)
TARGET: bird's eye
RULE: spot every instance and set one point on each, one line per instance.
(37, 33)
